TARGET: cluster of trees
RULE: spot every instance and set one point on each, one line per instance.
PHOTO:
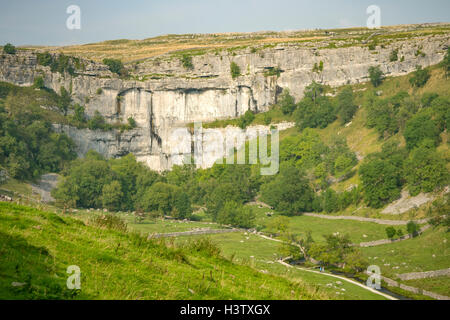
(338, 251)
(316, 110)
(28, 144)
(60, 62)
(383, 174)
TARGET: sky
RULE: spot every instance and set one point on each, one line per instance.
(43, 22)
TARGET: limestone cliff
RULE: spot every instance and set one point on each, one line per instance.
(164, 95)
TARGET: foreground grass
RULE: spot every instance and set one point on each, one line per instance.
(36, 247)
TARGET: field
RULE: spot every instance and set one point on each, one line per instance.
(262, 254)
(300, 225)
(429, 251)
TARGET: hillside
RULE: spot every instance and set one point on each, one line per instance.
(38, 246)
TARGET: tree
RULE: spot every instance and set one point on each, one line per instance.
(115, 66)
(393, 55)
(112, 195)
(64, 100)
(186, 61)
(38, 83)
(346, 106)
(289, 192)
(425, 169)
(381, 181)
(376, 75)
(9, 49)
(391, 232)
(182, 204)
(286, 102)
(236, 215)
(420, 127)
(246, 119)
(419, 77)
(412, 228)
(278, 224)
(235, 70)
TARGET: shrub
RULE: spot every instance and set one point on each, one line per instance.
(186, 61)
(99, 91)
(44, 59)
(132, 123)
(346, 106)
(235, 70)
(286, 102)
(115, 66)
(246, 119)
(9, 49)
(420, 127)
(38, 83)
(420, 77)
(394, 55)
(412, 228)
(376, 75)
(391, 232)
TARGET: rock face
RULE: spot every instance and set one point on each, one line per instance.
(168, 96)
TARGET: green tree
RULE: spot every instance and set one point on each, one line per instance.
(186, 61)
(38, 83)
(393, 55)
(412, 228)
(420, 127)
(419, 77)
(425, 170)
(346, 106)
(376, 75)
(112, 195)
(289, 192)
(391, 232)
(9, 49)
(235, 70)
(236, 215)
(381, 181)
(115, 66)
(286, 102)
(446, 62)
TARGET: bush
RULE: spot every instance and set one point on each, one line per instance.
(420, 127)
(412, 228)
(115, 66)
(246, 119)
(44, 59)
(132, 123)
(391, 232)
(186, 61)
(346, 106)
(394, 55)
(286, 102)
(236, 215)
(99, 91)
(235, 70)
(376, 76)
(9, 49)
(420, 77)
(38, 83)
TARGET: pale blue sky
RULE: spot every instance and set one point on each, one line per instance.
(43, 22)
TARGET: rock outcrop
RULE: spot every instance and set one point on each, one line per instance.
(167, 95)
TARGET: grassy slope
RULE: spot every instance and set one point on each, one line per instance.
(36, 247)
(429, 251)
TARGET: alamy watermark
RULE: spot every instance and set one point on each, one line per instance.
(374, 20)
(73, 22)
(374, 280)
(74, 280)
